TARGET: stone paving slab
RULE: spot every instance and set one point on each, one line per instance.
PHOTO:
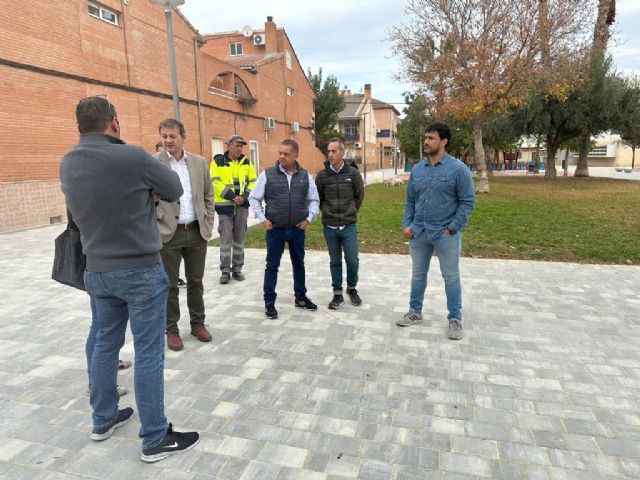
(546, 384)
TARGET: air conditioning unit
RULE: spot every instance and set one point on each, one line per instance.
(357, 145)
(269, 123)
(295, 127)
(258, 39)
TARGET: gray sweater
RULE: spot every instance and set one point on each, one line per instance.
(108, 189)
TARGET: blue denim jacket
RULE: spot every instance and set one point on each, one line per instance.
(438, 196)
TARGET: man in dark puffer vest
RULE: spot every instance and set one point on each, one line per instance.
(292, 202)
(341, 192)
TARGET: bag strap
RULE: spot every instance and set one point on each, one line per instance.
(71, 225)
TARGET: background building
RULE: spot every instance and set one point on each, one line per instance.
(387, 120)
(369, 129)
(54, 53)
(607, 150)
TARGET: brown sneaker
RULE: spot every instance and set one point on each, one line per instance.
(174, 342)
(200, 332)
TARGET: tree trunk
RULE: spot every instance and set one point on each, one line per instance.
(481, 164)
(566, 162)
(602, 29)
(487, 158)
(601, 33)
(582, 169)
(552, 147)
(633, 157)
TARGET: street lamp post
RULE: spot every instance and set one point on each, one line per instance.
(364, 145)
(168, 5)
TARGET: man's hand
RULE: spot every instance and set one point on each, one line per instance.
(303, 224)
(407, 233)
(267, 224)
(156, 197)
(238, 200)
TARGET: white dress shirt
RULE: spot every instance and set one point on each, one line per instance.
(187, 210)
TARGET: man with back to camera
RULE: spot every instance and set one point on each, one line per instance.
(440, 197)
(341, 192)
(109, 189)
(292, 202)
(185, 226)
(233, 178)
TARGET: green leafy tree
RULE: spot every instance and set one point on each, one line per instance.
(411, 129)
(329, 103)
(629, 117)
(601, 33)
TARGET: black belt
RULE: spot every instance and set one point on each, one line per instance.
(188, 226)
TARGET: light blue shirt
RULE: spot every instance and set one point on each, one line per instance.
(438, 196)
(257, 196)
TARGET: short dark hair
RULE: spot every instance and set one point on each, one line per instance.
(93, 114)
(173, 123)
(336, 139)
(442, 129)
(291, 143)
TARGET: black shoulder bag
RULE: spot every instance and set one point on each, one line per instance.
(69, 262)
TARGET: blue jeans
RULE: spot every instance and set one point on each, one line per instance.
(276, 238)
(338, 241)
(90, 345)
(138, 295)
(447, 248)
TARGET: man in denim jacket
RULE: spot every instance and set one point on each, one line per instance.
(440, 197)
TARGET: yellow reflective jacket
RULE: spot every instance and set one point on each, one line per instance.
(231, 178)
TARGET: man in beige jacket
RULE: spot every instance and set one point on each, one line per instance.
(185, 226)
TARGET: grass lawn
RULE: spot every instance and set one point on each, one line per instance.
(591, 220)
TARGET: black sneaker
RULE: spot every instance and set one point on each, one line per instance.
(225, 278)
(182, 283)
(270, 310)
(172, 444)
(353, 296)
(238, 276)
(336, 303)
(305, 303)
(104, 432)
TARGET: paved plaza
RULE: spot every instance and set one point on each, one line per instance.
(545, 385)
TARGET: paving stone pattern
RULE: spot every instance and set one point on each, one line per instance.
(545, 385)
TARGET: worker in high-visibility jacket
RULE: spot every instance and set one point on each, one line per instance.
(233, 177)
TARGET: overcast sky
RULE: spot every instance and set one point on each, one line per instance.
(347, 38)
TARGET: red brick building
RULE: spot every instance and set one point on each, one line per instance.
(54, 53)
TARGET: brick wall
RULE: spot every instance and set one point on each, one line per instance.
(26, 204)
(82, 53)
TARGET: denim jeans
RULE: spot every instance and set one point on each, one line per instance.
(90, 344)
(138, 295)
(339, 240)
(447, 248)
(276, 238)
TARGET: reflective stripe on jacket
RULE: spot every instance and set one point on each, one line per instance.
(231, 178)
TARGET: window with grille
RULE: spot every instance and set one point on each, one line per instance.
(600, 151)
(102, 13)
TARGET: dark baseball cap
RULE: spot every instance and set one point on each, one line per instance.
(236, 138)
